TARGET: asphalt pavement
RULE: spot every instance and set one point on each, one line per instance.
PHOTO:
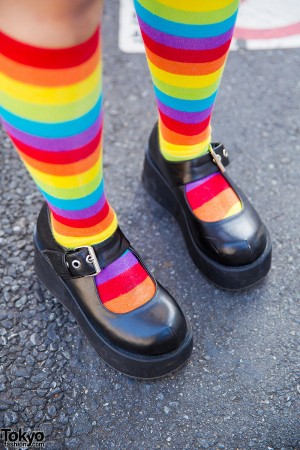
(241, 388)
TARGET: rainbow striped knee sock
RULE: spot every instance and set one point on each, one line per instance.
(51, 107)
(187, 43)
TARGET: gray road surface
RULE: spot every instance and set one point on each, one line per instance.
(240, 389)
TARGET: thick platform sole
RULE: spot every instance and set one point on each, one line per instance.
(226, 277)
(130, 364)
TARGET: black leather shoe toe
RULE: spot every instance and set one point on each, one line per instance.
(234, 253)
(157, 328)
(148, 342)
(237, 241)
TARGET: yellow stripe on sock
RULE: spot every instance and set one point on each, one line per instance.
(187, 17)
(173, 152)
(51, 95)
(71, 242)
(185, 81)
(50, 113)
(184, 93)
(194, 5)
(71, 181)
(236, 208)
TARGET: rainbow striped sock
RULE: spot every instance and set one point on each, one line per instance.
(187, 43)
(51, 107)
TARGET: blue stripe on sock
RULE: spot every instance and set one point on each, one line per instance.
(77, 203)
(185, 105)
(54, 130)
(184, 30)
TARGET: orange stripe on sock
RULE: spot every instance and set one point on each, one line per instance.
(181, 68)
(64, 169)
(218, 207)
(138, 296)
(48, 77)
(179, 139)
(84, 232)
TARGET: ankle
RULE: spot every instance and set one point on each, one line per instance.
(73, 233)
(177, 147)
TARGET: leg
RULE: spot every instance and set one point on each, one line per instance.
(186, 71)
(51, 107)
(50, 23)
(187, 43)
(52, 110)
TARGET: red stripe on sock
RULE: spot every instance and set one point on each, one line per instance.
(83, 223)
(64, 157)
(206, 191)
(184, 128)
(123, 283)
(48, 58)
(187, 56)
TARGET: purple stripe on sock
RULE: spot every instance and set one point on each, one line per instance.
(54, 144)
(184, 117)
(183, 42)
(195, 184)
(119, 266)
(83, 213)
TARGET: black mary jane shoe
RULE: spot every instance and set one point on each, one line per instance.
(148, 342)
(234, 253)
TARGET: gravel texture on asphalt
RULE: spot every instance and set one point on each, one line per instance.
(240, 389)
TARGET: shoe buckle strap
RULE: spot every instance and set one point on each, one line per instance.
(87, 260)
(82, 261)
(90, 259)
(184, 172)
(217, 158)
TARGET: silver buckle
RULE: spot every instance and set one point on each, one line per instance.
(217, 159)
(91, 259)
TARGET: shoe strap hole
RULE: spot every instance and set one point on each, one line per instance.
(76, 264)
(89, 259)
